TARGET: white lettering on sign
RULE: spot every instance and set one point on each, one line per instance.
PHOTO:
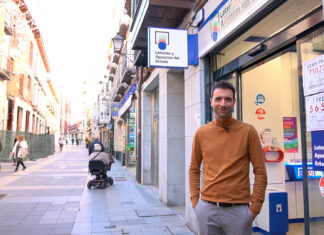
(319, 147)
(167, 47)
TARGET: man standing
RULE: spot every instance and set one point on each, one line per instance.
(226, 147)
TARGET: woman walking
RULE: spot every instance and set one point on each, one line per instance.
(61, 142)
(20, 152)
(12, 153)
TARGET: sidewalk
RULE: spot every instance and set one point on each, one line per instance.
(126, 208)
(51, 197)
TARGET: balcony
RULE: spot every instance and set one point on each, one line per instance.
(5, 68)
(128, 70)
(117, 97)
(122, 88)
(116, 58)
(111, 77)
(156, 13)
(140, 58)
(7, 28)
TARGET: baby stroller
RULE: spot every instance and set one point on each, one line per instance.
(99, 169)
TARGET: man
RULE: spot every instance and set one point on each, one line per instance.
(96, 146)
(104, 157)
(226, 147)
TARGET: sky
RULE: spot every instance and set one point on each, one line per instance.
(76, 35)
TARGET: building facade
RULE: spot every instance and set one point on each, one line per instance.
(28, 101)
(262, 48)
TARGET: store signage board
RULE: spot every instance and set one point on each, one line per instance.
(314, 105)
(227, 18)
(126, 105)
(104, 117)
(313, 75)
(318, 150)
(114, 107)
(167, 48)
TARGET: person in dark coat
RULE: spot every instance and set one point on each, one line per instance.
(96, 146)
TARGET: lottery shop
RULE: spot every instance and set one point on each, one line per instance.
(275, 60)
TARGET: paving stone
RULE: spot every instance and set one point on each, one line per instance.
(100, 227)
(52, 198)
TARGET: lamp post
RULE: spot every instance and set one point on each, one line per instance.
(117, 42)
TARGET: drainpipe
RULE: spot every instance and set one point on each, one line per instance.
(139, 126)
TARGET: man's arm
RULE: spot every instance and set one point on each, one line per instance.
(259, 170)
(194, 171)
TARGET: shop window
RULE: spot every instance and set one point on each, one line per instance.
(270, 98)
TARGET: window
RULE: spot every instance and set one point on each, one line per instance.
(29, 82)
(21, 84)
(31, 52)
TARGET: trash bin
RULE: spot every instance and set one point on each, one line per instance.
(273, 218)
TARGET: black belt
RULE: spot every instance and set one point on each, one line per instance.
(224, 204)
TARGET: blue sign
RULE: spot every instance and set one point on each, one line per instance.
(114, 109)
(318, 150)
(295, 171)
(193, 49)
(129, 93)
(260, 99)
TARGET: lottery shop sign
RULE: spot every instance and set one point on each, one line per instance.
(313, 75)
(315, 112)
(318, 150)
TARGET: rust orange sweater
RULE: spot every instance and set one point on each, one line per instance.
(226, 154)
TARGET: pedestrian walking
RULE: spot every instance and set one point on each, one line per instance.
(87, 142)
(20, 151)
(61, 142)
(226, 147)
(12, 153)
(72, 141)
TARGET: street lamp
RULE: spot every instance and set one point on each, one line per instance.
(117, 42)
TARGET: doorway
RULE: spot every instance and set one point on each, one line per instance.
(311, 59)
(11, 106)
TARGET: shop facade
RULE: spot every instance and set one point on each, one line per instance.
(263, 49)
(124, 129)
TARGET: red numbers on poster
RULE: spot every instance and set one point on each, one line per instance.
(316, 109)
(316, 70)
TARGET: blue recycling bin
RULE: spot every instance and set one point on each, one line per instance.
(273, 218)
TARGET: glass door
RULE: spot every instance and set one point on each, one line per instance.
(311, 70)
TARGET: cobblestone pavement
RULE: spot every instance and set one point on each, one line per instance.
(50, 197)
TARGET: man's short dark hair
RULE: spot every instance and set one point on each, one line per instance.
(223, 85)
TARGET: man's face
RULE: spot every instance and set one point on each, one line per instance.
(222, 102)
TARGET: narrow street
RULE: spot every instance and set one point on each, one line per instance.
(51, 197)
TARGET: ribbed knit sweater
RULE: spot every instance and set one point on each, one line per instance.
(226, 148)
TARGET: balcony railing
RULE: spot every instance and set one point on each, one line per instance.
(128, 68)
(5, 68)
